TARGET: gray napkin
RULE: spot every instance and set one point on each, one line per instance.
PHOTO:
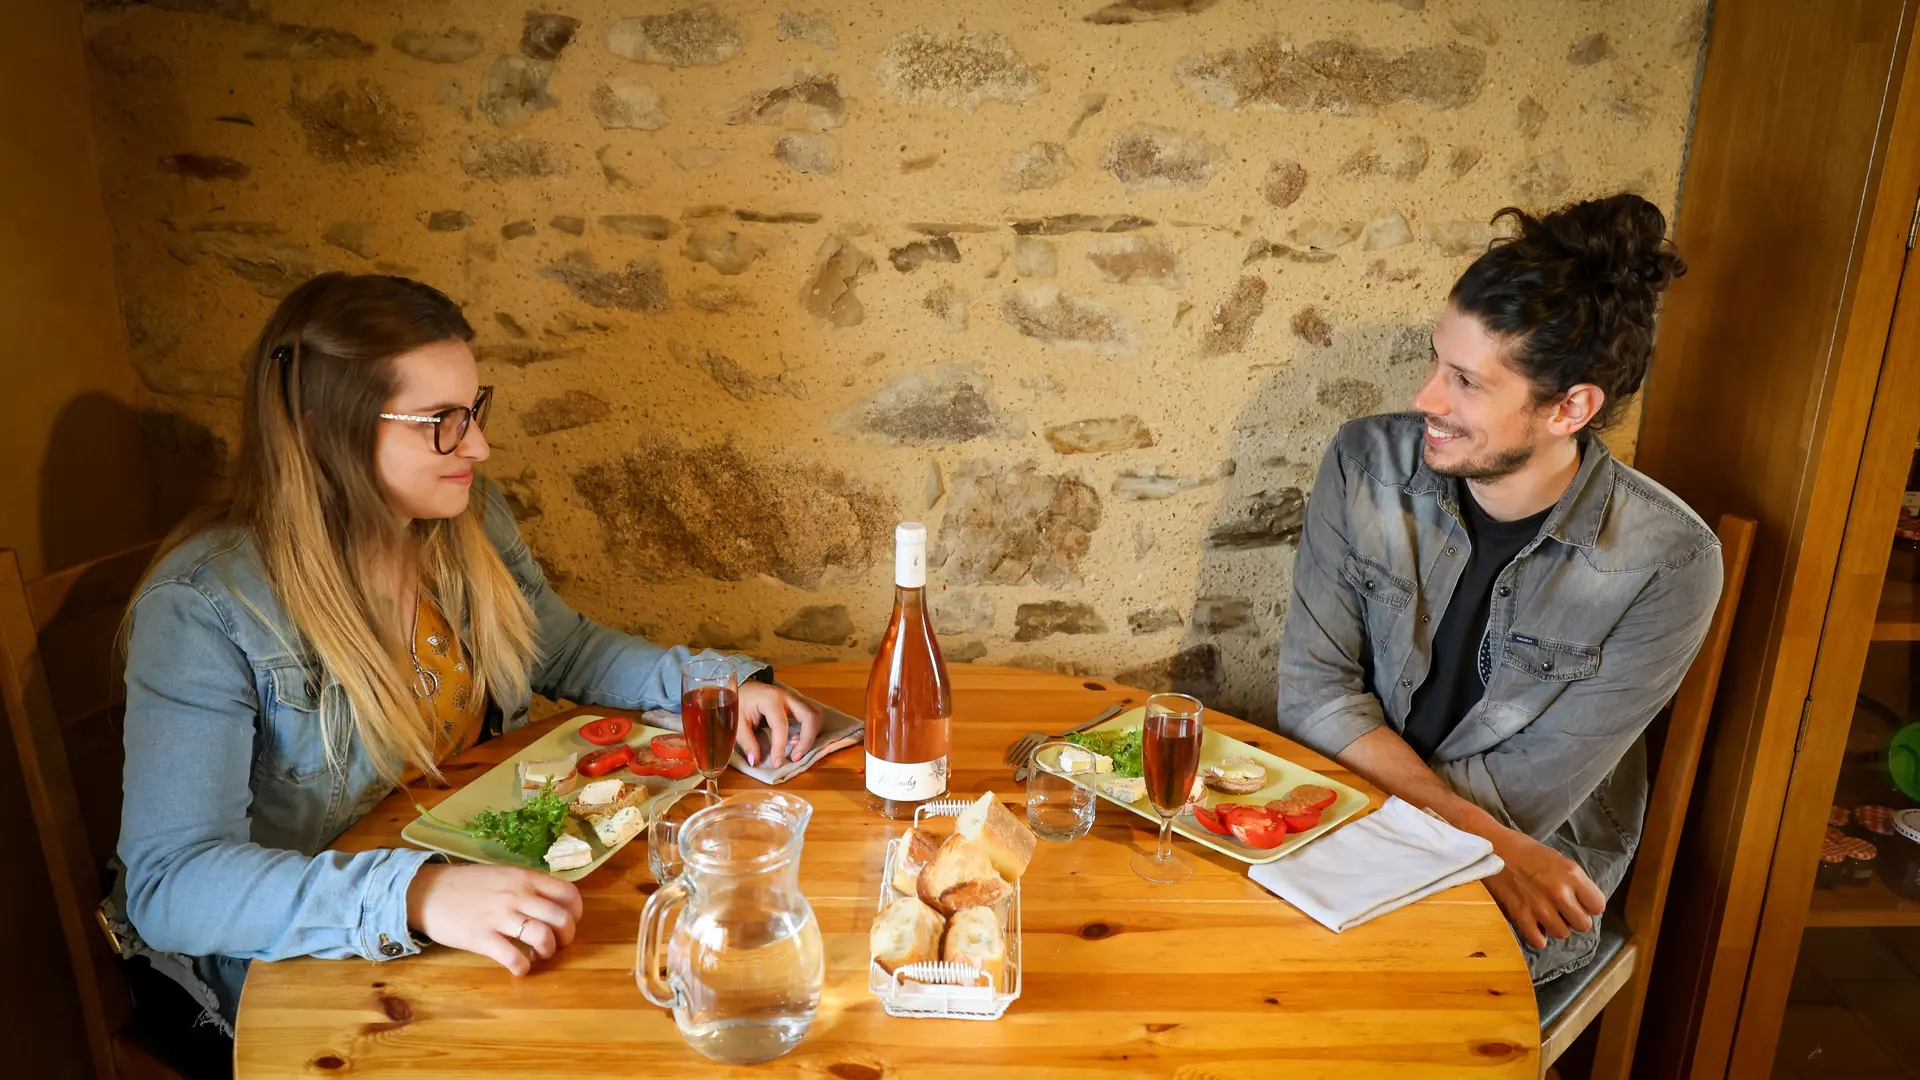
(837, 731)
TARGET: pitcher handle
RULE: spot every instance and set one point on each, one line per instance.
(664, 900)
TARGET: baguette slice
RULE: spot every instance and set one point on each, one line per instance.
(631, 795)
(535, 774)
(974, 938)
(1005, 838)
(905, 932)
(961, 876)
(916, 851)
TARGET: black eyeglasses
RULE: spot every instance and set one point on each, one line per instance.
(450, 425)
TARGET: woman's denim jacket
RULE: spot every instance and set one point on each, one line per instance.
(230, 803)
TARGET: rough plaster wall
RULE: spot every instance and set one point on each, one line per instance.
(1087, 287)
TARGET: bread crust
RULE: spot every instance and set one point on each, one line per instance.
(922, 941)
(961, 875)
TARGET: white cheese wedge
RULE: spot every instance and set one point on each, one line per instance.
(569, 853)
(1127, 789)
(619, 826)
(1074, 760)
(600, 792)
(1239, 770)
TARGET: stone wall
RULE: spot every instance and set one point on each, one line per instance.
(1086, 287)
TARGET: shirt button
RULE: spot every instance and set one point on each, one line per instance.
(1452, 551)
(1505, 591)
(390, 948)
(1406, 682)
(1546, 665)
(1369, 586)
(1426, 618)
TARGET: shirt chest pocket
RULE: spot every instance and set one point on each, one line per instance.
(1385, 592)
(293, 741)
(1549, 661)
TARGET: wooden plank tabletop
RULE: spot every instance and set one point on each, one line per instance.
(1214, 977)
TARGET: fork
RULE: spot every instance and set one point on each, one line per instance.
(1024, 746)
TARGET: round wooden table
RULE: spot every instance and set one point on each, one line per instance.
(1213, 977)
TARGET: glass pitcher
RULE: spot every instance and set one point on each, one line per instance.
(744, 962)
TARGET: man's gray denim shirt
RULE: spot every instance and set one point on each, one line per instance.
(1589, 632)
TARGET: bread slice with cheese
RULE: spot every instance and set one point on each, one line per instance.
(974, 938)
(535, 775)
(905, 932)
(598, 800)
(961, 875)
(1006, 839)
(916, 851)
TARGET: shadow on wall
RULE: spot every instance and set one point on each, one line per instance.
(188, 463)
(1229, 646)
(93, 482)
(114, 476)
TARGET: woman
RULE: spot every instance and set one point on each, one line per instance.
(357, 614)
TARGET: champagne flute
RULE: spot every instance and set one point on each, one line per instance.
(709, 712)
(1170, 756)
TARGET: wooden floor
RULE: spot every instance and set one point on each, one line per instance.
(1854, 1011)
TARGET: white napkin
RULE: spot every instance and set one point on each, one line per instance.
(837, 731)
(1391, 858)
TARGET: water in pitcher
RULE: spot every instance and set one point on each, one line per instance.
(754, 999)
(743, 960)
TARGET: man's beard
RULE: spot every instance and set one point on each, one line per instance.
(1493, 467)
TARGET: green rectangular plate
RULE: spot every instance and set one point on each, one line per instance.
(1282, 776)
(499, 787)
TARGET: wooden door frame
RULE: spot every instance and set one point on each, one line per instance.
(1707, 945)
(1845, 636)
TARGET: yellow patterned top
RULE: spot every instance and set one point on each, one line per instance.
(443, 680)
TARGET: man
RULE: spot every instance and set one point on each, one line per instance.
(1487, 607)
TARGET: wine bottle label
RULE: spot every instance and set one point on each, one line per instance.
(907, 781)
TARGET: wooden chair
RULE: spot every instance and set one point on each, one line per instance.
(64, 698)
(1618, 976)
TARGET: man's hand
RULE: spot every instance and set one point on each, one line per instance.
(1543, 893)
(762, 702)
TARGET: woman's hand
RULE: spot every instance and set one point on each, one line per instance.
(778, 708)
(494, 911)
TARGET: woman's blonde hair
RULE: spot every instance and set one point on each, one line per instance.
(306, 490)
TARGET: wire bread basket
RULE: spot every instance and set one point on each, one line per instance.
(939, 989)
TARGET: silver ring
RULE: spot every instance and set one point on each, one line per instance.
(523, 929)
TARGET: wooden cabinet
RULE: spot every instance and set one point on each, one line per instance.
(1786, 388)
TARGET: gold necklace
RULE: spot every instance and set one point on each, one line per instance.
(426, 684)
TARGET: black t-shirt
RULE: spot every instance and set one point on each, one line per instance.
(1455, 682)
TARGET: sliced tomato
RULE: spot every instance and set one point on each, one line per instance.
(671, 769)
(672, 746)
(644, 763)
(1230, 813)
(1316, 796)
(1209, 820)
(602, 762)
(1262, 832)
(1301, 822)
(606, 731)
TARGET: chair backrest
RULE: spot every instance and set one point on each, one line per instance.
(60, 682)
(1685, 734)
